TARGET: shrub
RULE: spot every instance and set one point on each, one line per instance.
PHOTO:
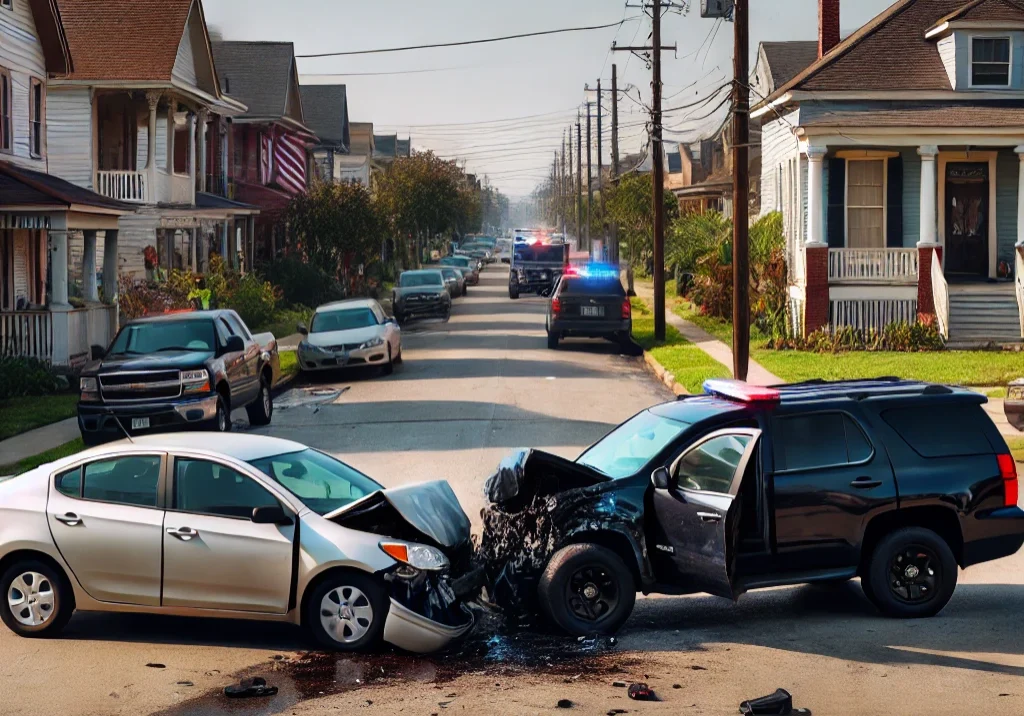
(139, 298)
(254, 299)
(902, 337)
(304, 284)
(26, 376)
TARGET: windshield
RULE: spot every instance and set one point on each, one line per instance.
(351, 319)
(321, 482)
(632, 445)
(144, 338)
(553, 254)
(450, 273)
(427, 278)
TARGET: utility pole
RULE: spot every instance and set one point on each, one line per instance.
(613, 247)
(740, 195)
(590, 181)
(600, 168)
(572, 184)
(579, 179)
(565, 188)
(656, 49)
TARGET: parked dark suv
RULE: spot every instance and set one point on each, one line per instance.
(742, 488)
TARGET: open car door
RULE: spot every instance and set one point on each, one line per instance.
(697, 508)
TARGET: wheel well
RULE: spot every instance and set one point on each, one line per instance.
(23, 554)
(224, 391)
(268, 373)
(319, 579)
(941, 520)
(617, 543)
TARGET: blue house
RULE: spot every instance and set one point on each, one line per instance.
(897, 159)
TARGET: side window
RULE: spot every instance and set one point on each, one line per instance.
(819, 440)
(125, 481)
(712, 465)
(70, 483)
(208, 488)
(942, 430)
(223, 324)
(223, 332)
(237, 327)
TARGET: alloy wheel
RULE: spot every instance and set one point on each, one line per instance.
(914, 574)
(31, 599)
(346, 614)
(266, 400)
(592, 593)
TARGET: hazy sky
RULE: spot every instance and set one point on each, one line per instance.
(538, 79)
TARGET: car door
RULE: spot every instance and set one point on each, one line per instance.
(235, 366)
(392, 333)
(251, 356)
(215, 556)
(697, 514)
(106, 518)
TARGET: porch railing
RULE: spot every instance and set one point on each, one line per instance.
(126, 186)
(940, 295)
(26, 334)
(872, 314)
(94, 325)
(886, 266)
(1019, 272)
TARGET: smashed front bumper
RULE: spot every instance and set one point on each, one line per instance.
(428, 609)
(329, 360)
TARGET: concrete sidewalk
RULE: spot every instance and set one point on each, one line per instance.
(33, 442)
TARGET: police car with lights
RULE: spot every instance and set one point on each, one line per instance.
(537, 264)
(590, 302)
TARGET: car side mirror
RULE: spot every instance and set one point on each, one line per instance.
(235, 344)
(97, 352)
(661, 479)
(270, 516)
(301, 328)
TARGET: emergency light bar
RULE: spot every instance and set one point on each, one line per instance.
(592, 271)
(740, 391)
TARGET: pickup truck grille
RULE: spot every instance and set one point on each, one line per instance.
(140, 386)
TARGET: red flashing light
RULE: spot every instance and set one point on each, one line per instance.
(556, 306)
(627, 309)
(741, 391)
(1008, 471)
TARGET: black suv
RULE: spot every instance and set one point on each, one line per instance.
(590, 302)
(742, 488)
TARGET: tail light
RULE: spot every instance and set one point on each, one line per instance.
(556, 305)
(627, 309)
(1008, 471)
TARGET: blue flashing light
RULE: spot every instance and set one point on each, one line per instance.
(599, 271)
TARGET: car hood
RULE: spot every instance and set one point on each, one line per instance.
(428, 513)
(165, 360)
(336, 338)
(413, 290)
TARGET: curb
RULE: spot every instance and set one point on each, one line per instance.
(280, 385)
(668, 379)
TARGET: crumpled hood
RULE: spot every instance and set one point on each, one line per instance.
(429, 510)
(548, 473)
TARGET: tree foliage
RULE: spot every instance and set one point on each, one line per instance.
(630, 206)
(335, 225)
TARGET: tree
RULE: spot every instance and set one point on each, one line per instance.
(335, 225)
(629, 205)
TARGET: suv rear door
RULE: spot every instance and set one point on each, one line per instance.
(698, 515)
(590, 299)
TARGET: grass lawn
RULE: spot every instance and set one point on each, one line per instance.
(19, 415)
(289, 364)
(1017, 448)
(689, 364)
(35, 461)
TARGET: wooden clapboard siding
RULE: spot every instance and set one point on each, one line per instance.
(185, 63)
(911, 196)
(947, 51)
(69, 134)
(21, 54)
(1007, 187)
(135, 233)
(20, 264)
(778, 146)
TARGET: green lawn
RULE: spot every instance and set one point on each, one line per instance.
(289, 364)
(35, 461)
(19, 415)
(1017, 448)
(689, 364)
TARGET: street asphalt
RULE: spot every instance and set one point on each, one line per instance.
(470, 391)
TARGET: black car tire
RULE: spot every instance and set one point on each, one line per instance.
(513, 291)
(55, 584)
(90, 439)
(376, 596)
(221, 422)
(261, 411)
(447, 314)
(934, 563)
(557, 597)
(553, 341)
(399, 359)
(389, 367)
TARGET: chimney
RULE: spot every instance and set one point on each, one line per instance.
(828, 26)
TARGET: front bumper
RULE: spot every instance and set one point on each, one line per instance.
(1014, 410)
(315, 360)
(422, 308)
(413, 632)
(591, 328)
(99, 421)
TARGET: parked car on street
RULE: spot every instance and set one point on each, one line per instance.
(180, 371)
(590, 302)
(464, 262)
(455, 280)
(348, 334)
(900, 483)
(466, 276)
(421, 294)
(536, 267)
(503, 251)
(1013, 406)
(240, 526)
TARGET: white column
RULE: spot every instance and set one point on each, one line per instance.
(204, 116)
(929, 197)
(816, 196)
(190, 126)
(109, 265)
(58, 237)
(170, 137)
(224, 246)
(1020, 197)
(153, 100)
(89, 266)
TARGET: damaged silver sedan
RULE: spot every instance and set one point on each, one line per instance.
(235, 526)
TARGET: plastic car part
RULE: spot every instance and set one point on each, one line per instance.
(250, 688)
(781, 703)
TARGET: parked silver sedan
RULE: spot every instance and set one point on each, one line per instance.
(348, 334)
(235, 526)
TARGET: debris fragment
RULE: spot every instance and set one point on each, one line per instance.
(250, 688)
(564, 704)
(778, 704)
(641, 692)
(697, 667)
(677, 686)
(156, 666)
(615, 712)
(185, 683)
(619, 684)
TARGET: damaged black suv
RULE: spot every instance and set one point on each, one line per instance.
(896, 482)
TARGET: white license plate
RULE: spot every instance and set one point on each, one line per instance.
(140, 423)
(592, 311)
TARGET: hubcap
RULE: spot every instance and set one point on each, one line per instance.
(592, 594)
(346, 614)
(266, 400)
(222, 420)
(31, 599)
(914, 575)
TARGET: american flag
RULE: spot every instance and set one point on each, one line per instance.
(290, 163)
(266, 157)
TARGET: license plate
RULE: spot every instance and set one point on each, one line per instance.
(592, 311)
(140, 423)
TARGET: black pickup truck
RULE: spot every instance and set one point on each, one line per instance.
(179, 371)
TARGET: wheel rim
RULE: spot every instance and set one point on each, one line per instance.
(267, 405)
(31, 599)
(346, 614)
(222, 417)
(592, 593)
(914, 574)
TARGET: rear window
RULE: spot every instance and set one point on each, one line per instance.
(941, 430)
(837, 441)
(541, 253)
(592, 286)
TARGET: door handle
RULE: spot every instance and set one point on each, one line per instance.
(183, 533)
(69, 518)
(709, 517)
(865, 483)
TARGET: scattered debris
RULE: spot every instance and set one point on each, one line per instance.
(564, 704)
(185, 683)
(619, 684)
(641, 692)
(250, 688)
(615, 712)
(778, 704)
(277, 657)
(156, 666)
(677, 686)
(696, 667)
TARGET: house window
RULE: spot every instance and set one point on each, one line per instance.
(7, 4)
(5, 110)
(990, 62)
(865, 204)
(35, 118)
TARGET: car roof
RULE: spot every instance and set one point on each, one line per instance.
(240, 446)
(421, 272)
(347, 303)
(184, 316)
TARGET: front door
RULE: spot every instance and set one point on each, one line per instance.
(698, 515)
(967, 202)
(106, 520)
(215, 556)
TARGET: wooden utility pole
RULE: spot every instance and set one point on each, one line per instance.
(590, 181)
(579, 180)
(613, 247)
(740, 195)
(565, 186)
(572, 184)
(600, 168)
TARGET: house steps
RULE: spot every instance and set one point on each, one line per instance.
(983, 317)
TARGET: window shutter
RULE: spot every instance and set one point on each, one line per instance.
(894, 204)
(836, 225)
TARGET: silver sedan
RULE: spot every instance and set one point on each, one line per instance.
(234, 526)
(347, 334)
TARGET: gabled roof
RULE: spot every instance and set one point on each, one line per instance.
(325, 108)
(675, 162)
(263, 76)
(403, 147)
(50, 26)
(788, 59)
(385, 145)
(990, 10)
(21, 186)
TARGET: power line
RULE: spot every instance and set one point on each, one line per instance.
(482, 122)
(467, 42)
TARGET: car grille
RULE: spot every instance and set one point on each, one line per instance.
(140, 386)
(422, 297)
(344, 348)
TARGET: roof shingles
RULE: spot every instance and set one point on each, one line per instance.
(325, 109)
(257, 74)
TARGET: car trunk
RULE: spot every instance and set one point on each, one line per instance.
(595, 307)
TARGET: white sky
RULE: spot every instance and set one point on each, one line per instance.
(503, 81)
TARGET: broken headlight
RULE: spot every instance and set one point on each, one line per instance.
(418, 556)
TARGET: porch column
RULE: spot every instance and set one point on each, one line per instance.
(190, 126)
(250, 242)
(204, 251)
(89, 266)
(1020, 197)
(204, 117)
(224, 242)
(816, 196)
(170, 138)
(153, 100)
(816, 306)
(110, 266)
(59, 306)
(929, 242)
(193, 258)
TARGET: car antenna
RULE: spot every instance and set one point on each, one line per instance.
(120, 425)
